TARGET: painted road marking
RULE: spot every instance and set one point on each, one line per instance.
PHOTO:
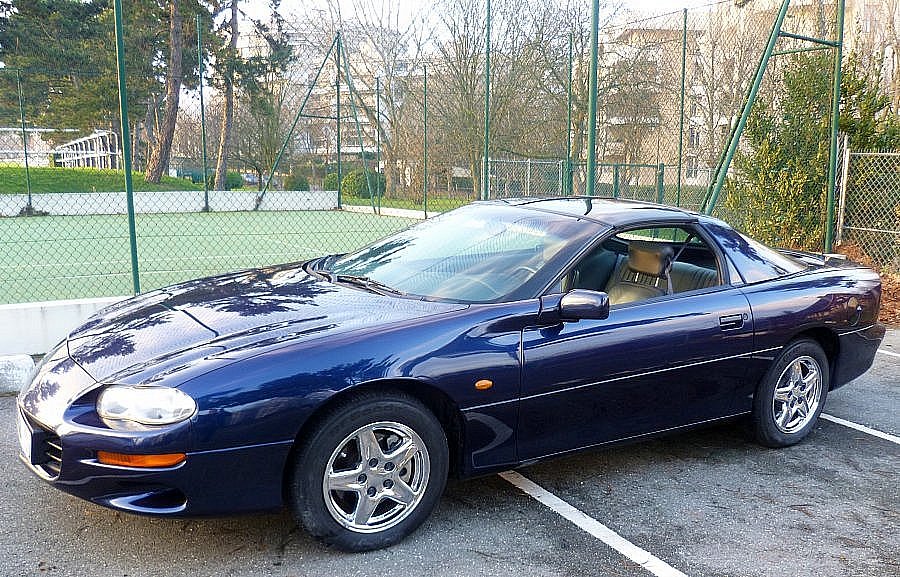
(590, 525)
(884, 352)
(868, 430)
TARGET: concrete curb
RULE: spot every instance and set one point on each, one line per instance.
(14, 371)
(385, 211)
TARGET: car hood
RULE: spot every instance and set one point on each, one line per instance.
(226, 315)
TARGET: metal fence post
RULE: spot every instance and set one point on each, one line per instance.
(487, 100)
(842, 202)
(378, 172)
(568, 185)
(592, 100)
(615, 182)
(660, 183)
(337, 84)
(684, 14)
(126, 145)
(29, 209)
(561, 168)
(202, 115)
(835, 117)
(425, 141)
(528, 177)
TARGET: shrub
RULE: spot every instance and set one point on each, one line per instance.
(354, 184)
(296, 181)
(232, 180)
(330, 182)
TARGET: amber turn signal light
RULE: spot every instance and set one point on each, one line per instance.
(484, 384)
(151, 461)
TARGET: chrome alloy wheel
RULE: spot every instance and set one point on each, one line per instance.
(797, 394)
(376, 477)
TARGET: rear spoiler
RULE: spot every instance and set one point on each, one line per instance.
(821, 259)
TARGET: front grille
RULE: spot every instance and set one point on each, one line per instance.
(46, 448)
(53, 452)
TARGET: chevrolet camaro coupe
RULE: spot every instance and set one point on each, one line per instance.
(350, 386)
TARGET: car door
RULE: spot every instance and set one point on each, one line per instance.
(652, 365)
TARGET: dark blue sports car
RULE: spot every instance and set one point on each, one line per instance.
(495, 335)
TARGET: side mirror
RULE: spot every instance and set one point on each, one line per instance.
(580, 304)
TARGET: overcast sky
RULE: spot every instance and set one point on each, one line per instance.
(259, 8)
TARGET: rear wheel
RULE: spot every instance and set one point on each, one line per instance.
(791, 396)
(370, 473)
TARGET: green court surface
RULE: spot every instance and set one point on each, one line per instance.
(67, 257)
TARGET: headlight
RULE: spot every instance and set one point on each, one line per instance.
(145, 405)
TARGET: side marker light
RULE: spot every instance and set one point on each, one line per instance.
(484, 384)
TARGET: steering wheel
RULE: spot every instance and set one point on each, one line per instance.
(527, 269)
(486, 285)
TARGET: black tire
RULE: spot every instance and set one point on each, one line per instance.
(782, 421)
(336, 445)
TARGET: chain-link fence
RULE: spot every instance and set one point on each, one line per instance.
(869, 207)
(263, 142)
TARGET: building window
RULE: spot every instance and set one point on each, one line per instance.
(694, 137)
(693, 167)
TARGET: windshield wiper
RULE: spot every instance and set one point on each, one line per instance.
(366, 283)
(317, 267)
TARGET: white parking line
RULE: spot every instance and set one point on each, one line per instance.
(889, 353)
(862, 428)
(595, 528)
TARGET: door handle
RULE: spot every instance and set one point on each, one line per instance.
(731, 322)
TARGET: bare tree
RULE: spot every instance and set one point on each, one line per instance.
(158, 160)
(228, 78)
(384, 45)
(729, 42)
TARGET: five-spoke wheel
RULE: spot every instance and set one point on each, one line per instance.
(797, 395)
(370, 471)
(790, 397)
(376, 476)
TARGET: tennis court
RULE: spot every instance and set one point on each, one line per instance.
(64, 257)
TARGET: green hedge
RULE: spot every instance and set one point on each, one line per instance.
(331, 181)
(354, 183)
(296, 181)
(233, 180)
(58, 179)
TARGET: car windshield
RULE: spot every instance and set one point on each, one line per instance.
(478, 253)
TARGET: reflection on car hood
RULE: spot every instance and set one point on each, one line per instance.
(227, 314)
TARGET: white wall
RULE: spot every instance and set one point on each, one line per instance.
(33, 328)
(81, 203)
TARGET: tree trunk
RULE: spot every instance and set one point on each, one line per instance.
(228, 113)
(158, 163)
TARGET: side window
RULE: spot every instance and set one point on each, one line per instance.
(641, 264)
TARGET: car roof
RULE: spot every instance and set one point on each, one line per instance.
(611, 211)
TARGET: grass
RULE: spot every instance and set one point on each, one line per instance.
(63, 257)
(54, 179)
(435, 202)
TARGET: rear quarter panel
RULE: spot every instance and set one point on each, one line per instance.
(844, 300)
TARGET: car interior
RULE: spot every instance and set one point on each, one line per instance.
(642, 264)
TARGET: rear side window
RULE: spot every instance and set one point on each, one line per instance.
(764, 263)
(755, 261)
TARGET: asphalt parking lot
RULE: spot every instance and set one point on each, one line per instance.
(704, 503)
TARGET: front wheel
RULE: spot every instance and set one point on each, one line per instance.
(791, 396)
(370, 473)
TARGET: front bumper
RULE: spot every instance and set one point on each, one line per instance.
(214, 482)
